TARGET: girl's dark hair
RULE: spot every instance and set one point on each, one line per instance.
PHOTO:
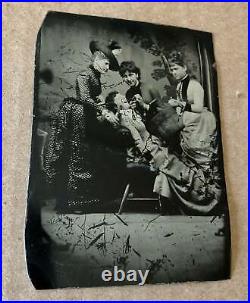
(110, 102)
(176, 57)
(129, 66)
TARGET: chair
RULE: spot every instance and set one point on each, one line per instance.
(145, 176)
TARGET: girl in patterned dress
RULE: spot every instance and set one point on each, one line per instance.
(73, 149)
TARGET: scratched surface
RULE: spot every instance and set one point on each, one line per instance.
(173, 248)
(21, 23)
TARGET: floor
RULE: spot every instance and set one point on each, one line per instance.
(173, 248)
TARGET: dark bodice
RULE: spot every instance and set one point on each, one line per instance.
(132, 91)
(88, 87)
(182, 93)
(182, 89)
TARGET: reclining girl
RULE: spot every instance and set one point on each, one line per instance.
(188, 183)
(118, 109)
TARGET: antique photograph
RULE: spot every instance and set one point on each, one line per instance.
(126, 181)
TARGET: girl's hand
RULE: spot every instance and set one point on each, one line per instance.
(174, 102)
(133, 103)
(138, 100)
(179, 110)
(125, 121)
(110, 117)
(100, 99)
(113, 119)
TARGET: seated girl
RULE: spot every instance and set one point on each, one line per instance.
(187, 183)
(190, 179)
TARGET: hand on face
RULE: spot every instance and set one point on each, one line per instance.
(137, 100)
(110, 117)
(121, 102)
(133, 104)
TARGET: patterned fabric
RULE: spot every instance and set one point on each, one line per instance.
(88, 87)
(71, 160)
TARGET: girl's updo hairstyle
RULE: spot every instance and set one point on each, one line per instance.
(176, 57)
(129, 66)
(98, 55)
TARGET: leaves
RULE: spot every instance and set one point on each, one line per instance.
(158, 74)
(157, 63)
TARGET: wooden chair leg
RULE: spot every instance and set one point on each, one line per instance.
(160, 204)
(124, 198)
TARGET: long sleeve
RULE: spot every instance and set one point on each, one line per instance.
(195, 93)
(83, 90)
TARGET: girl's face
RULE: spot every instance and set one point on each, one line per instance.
(102, 65)
(121, 101)
(178, 71)
(131, 78)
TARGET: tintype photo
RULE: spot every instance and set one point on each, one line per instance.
(126, 178)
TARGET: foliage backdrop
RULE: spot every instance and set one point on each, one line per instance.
(64, 52)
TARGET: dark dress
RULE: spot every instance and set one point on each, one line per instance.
(77, 158)
(148, 94)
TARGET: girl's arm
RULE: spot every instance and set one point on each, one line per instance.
(107, 115)
(83, 84)
(139, 142)
(197, 95)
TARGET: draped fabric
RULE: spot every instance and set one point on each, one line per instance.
(78, 161)
(191, 179)
(68, 161)
(188, 174)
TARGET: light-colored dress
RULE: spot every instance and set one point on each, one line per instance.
(192, 179)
